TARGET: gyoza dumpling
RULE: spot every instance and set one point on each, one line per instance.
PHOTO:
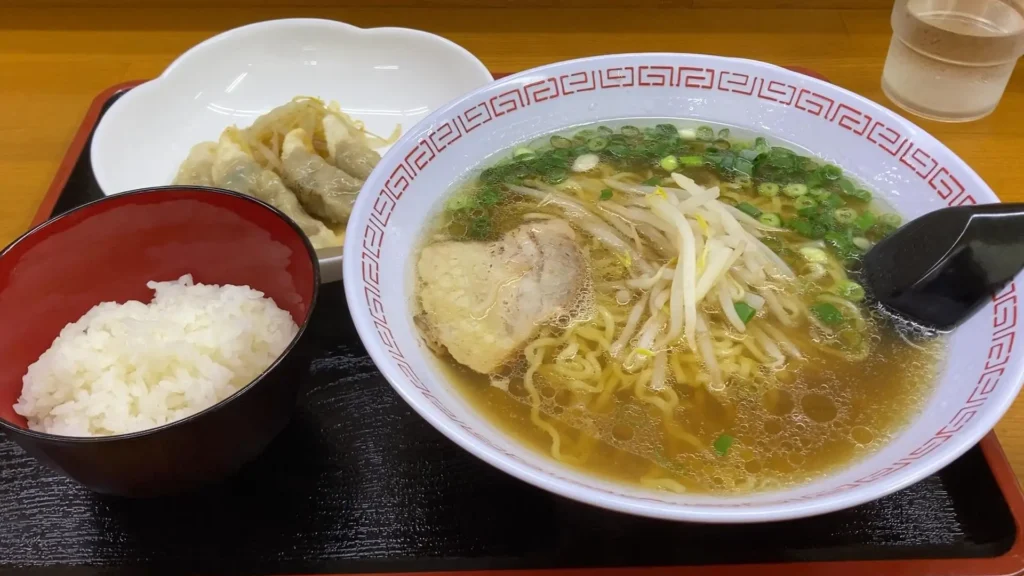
(196, 169)
(345, 150)
(325, 191)
(235, 170)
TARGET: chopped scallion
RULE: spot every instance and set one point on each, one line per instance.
(652, 181)
(812, 254)
(749, 209)
(890, 219)
(630, 131)
(845, 215)
(850, 290)
(705, 133)
(827, 313)
(768, 189)
(691, 160)
(560, 142)
(607, 194)
(794, 190)
(830, 172)
(804, 202)
(865, 221)
(722, 444)
(745, 311)
(523, 153)
(770, 219)
(597, 143)
(669, 163)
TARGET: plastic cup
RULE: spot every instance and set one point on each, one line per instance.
(950, 60)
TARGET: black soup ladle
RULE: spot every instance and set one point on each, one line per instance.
(938, 270)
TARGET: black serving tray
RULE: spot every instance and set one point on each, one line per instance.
(359, 483)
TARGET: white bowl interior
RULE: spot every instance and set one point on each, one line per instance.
(907, 167)
(381, 76)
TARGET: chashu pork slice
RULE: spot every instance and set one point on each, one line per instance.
(484, 301)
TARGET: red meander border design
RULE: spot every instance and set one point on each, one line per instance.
(940, 178)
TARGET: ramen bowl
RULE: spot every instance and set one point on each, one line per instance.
(902, 164)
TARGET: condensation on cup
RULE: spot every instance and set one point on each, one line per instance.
(950, 60)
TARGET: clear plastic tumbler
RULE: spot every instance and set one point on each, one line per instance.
(950, 60)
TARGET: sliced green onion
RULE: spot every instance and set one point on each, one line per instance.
(669, 163)
(847, 187)
(617, 150)
(851, 337)
(831, 172)
(687, 133)
(705, 133)
(604, 131)
(745, 311)
(862, 195)
(652, 181)
(749, 209)
(523, 152)
(630, 131)
(827, 313)
(597, 143)
(804, 202)
(556, 175)
(460, 201)
(480, 227)
(691, 160)
(761, 144)
(489, 195)
(850, 290)
(770, 219)
(865, 221)
(721, 144)
(606, 194)
(722, 444)
(802, 227)
(831, 201)
(890, 219)
(560, 142)
(743, 166)
(668, 130)
(862, 243)
(845, 215)
(818, 193)
(794, 190)
(812, 254)
(768, 189)
(723, 133)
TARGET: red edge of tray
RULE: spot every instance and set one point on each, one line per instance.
(1011, 562)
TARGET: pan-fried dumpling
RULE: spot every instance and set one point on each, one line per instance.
(326, 191)
(235, 170)
(196, 169)
(345, 150)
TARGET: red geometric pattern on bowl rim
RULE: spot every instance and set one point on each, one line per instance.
(946, 185)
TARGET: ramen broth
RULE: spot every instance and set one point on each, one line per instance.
(802, 379)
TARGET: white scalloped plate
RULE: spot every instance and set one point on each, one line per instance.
(382, 76)
(912, 170)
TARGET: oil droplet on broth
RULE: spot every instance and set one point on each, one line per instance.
(862, 435)
(818, 407)
(622, 432)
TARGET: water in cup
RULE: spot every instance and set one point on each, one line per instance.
(950, 60)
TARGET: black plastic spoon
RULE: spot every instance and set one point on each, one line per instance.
(937, 270)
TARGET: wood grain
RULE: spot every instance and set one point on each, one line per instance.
(54, 61)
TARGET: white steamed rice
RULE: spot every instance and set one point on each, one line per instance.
(128, 367)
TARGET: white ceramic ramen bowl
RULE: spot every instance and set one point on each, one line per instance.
(382, 76)
(910, 169)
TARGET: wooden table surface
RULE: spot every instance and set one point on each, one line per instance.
(54, 61)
